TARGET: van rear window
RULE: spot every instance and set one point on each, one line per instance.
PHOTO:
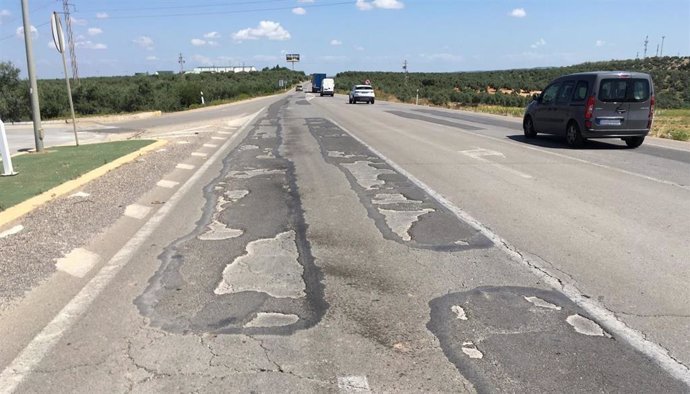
(624, 90)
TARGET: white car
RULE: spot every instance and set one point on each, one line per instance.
(362, 93)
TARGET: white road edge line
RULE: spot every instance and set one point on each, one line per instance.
(51, 334)
(602, 315)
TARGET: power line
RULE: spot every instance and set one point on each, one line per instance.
(209, 5)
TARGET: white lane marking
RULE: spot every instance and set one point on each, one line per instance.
(217, 138)
(183, 166)
(167, 184)
(79, 194)
(309, 97)
(14, 230)
(353, 384)
(225, 132)
(183, 142)
(541, 303)
(137, 211)
(585, 326)
(635, 338)
(479, 153)
(210, 146)
(161, 150)
(77, 262)
(38, 348)
(199, 154)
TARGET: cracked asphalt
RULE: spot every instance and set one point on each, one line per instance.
(300, 244)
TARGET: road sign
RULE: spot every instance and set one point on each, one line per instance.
(58, 37)
(292, 57)
(367, 82)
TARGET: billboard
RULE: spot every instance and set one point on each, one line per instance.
(292, 57)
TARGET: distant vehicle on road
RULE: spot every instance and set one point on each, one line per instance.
(299, 88)
(362, 93)
(604, 104)
(328, 87)
(316, 81)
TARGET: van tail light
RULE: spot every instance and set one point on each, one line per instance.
(589, 111)
(650, 117)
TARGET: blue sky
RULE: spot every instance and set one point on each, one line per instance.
(123, 37)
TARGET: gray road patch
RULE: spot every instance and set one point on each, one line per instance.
(248, 255)
(402, 211)
(510, 342)
(442, 122)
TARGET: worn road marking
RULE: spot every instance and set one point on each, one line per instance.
(183, 166)
(199, 154)
(137, 211)
(635, 338)
(167, 184)
(586, 327)
(14, 230)
(77, 262)
(479, 154)
(225, 132)
(353, 384)
(210, 146)
(542, 304)
(217, 138)
(79, 194)
(41, 344)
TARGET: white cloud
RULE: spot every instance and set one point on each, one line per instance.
(600, 43)
(90, 45)
(540, 43)
(144, 42)
(365, 5)
(20, 32)
(151, 58)
(102, 15)
(213, 35)
(4, 14)
(336, 42)
(518, 13)
(198, 42)
(299, 11)
(359, 48)
(266, 29)
(94, 31)
(78, 22)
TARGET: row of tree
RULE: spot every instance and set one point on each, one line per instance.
(511, 88)
(112, 95)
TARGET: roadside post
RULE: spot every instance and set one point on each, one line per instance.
(417, 99)
(203, 102)
(5, 151)
(59, 41)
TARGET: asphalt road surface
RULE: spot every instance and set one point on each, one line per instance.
(302, 244)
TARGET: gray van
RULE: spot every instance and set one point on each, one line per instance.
(603, 104)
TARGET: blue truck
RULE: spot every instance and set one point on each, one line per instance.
(316, 82)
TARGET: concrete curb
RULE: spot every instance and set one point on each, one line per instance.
(21, 209)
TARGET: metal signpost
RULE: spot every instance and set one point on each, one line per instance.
(5, 152)
(292, 58)
(59, 40)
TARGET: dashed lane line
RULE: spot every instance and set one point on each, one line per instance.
(353, 384)
(167, 184)
(183, 166)
(199, 154)
(29, 358)
(137, 211)
(78, 262)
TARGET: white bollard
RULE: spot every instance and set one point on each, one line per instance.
(5, 151)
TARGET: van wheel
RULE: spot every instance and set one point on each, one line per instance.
(633, 142)
(573, 136)
(528, 127)
(372, 101)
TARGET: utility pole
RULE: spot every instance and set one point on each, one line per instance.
(657, 50)
(646, 41)
(70, 41)
(662, 46)
(180, 60)
(33, 89)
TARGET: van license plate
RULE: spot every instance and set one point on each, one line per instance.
(610, 122)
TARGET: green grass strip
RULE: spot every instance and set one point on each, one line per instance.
(39, 172)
